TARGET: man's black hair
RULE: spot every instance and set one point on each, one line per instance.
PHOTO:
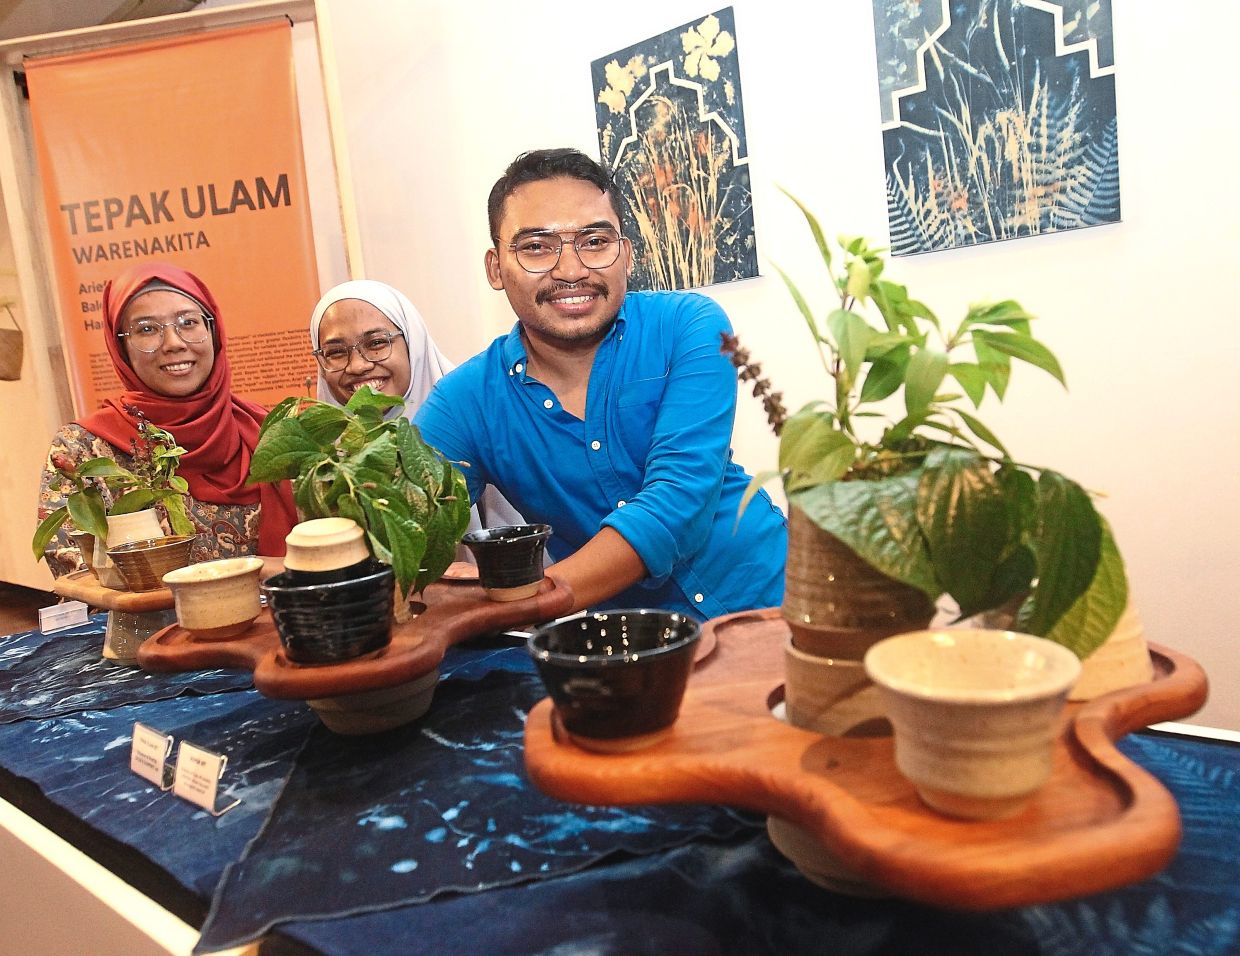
(540, 164)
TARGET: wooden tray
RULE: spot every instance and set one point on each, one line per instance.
(1101, 821)
(84, 586)
(454, 612)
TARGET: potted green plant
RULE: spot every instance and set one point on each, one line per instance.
(899, 494)
(354, 462)
(104, 491)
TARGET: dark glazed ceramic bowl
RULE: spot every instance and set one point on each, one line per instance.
(329, 622)
(510, 559)
(617, 678)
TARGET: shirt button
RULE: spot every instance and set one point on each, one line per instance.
(548, 404)
(698, 598)
(596, 445)
(519, 367)
(621, 503)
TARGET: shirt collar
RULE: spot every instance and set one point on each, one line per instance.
(513, 348)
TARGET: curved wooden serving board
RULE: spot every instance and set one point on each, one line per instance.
(454, 612)
(1100, 822)
(84, 586)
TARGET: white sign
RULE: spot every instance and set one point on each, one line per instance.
(198, 775)
(151, 750)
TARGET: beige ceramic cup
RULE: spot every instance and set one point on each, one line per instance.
(325, 544)
(216, 600)
(976, 714)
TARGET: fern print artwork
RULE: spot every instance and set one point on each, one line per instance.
(671, 127)
(998, 119)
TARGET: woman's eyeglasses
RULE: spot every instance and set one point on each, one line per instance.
(147, 335)
(372, 347)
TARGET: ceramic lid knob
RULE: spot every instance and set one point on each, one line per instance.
(325, 544)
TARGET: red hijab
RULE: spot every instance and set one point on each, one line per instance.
(217, 429)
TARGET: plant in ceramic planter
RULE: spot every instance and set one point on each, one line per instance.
(150, 480)
(897, 474)
(353, 462)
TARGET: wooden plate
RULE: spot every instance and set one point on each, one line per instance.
(1101, 821)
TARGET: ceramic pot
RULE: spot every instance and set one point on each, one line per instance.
(1122, 660)
(510, 559)
(138, 526)
(975, 714)
(836, 604)
(216, 600)
(84, 541)
(324, 545)
(338, 621)
(374, 711)
(617, 678)
(144, 563)
(831, 695)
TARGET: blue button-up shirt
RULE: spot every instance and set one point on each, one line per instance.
(651, 459)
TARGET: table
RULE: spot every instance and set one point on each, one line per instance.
(687, 880)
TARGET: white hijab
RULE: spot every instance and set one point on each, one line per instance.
(427, 365)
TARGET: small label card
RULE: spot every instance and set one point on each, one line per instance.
(197, 777)
(62, 615)
(150, 753)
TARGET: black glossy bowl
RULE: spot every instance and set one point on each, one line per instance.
(297, 577)
(328, 622)
(510, 558)
(617, 677)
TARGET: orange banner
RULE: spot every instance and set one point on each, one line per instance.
(185, 150)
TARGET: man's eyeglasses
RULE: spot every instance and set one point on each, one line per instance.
(146, 335)
(373, 347)
(539, 252)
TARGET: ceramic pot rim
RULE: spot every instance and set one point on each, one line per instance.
(593, 662)
(1063, 668)
(274, 583)
(151, 544)
(239, 568)
(487, 535)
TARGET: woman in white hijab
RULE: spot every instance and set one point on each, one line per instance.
(366, 333)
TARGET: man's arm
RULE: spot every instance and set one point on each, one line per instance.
(603, 567)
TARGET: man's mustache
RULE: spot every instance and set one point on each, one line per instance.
(578, 287)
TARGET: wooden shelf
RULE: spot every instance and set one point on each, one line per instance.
(1101, 821)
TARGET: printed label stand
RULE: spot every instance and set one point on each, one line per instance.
(1099, 823)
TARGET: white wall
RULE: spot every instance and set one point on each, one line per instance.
(1140, 313)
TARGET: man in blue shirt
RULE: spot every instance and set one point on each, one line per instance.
(607, 415)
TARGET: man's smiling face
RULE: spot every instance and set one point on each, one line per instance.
(571, 304)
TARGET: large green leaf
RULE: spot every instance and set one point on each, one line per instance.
(88, 514)
(823, 249)
(802, 305)
(285, 451)
(282, 411)
(407, 543)
(1093, 616)
(366, 399)
(323, 423)
(103, 468)
(1067, 544)
(877, 519)
(1006, 313)
(971, 378)
(966, 523)
(1023, 347)
(852, 337)
(980, 430)
(922, 378)
(995, 365)
(886, 375)
(421, 463)
(812, 451)
(47, 529)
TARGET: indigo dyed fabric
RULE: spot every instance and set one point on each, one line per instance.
(15, 647)
(739, 896)
(438, 806)
(63, 673)
(81, 763)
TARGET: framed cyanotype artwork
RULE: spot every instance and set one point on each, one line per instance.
(671, 127)
(998, 119)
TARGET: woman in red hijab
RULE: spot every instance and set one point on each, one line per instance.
(167, 343)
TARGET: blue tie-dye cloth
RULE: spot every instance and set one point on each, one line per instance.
(739, 896)
(440, 805)
(45, 675)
